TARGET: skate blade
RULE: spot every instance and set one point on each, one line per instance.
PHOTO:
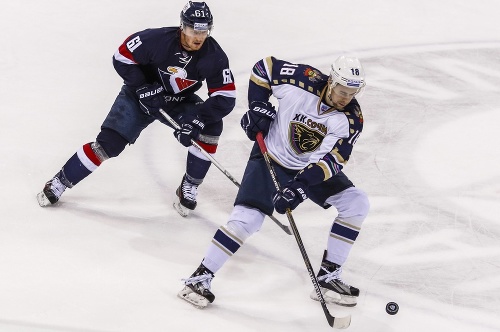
(183, 211)
(42, 199)
(196, 300)
(335, 298)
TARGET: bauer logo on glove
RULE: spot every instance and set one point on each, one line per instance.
(147, 94)
(258, 119)
(265, 112)
(151, 98)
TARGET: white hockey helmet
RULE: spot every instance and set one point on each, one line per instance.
(347, 71)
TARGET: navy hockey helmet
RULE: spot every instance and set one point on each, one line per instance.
(197, 16)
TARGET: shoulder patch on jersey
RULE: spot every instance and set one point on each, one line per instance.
(303, 139)
(354, 114)
(312, 74)
(357, 113)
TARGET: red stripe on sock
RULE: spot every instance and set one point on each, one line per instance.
(91, 155)
(210, 148)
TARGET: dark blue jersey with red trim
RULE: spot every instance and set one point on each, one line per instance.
(156, 55)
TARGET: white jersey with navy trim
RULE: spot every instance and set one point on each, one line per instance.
(306, 130)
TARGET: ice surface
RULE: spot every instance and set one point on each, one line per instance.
(111, 255)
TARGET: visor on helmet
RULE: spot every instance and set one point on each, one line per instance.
(196, 29)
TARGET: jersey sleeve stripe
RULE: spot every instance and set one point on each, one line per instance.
(123, 55)
(330, 165)
(268, 63)
(230, 94)
(228, 90)
(259, 69)
(326, 169)
(259, 81)
(227, 87)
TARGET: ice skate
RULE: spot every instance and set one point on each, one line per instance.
(51, 193)
(333, 288)
(186, 197)
(197, 288)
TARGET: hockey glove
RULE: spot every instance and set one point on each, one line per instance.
(151, 98)
(189, 129)
(290, 196)
(258, 119)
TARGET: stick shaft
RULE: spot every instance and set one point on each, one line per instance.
(295, 231)
(285, 228)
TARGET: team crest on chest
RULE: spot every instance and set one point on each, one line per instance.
(303, 139)
(176, 77)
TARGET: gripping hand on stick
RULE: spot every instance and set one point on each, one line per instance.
(189, 130)
(290, 196)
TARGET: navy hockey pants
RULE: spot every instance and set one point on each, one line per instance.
(128, 120)
(257, 187)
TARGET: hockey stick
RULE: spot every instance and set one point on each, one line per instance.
(335, 322)
(285, 228)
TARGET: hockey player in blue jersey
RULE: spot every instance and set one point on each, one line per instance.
(162, 68)
(309, 138)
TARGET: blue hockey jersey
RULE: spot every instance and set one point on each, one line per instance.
(156, 55)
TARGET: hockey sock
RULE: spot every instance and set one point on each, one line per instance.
(243, 222)
(82, 163)
(197, 165)
(352, 205)
(342, 237)
(224, 245)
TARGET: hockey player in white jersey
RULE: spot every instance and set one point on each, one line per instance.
(310, 138)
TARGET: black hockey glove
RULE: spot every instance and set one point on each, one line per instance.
(189, 129)
(151, 98)
(290, 196)
(258, 119)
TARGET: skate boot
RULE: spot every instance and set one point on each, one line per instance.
(186, 197)
(197, 288)
(333, 288)
(51, 193)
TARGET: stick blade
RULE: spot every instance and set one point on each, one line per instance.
(341, 322)
(287, 230)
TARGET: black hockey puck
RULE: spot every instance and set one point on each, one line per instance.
(392, 308)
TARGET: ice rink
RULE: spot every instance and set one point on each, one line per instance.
(111, 255)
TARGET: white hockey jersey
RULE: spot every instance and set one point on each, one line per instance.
(306, 130)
